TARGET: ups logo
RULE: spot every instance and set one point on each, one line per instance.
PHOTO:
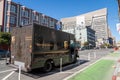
(66, 44)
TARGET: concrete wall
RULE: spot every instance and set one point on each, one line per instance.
(1, 11)
(80, 21)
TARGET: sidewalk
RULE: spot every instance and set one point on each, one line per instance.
(104, 65)
(116, 74)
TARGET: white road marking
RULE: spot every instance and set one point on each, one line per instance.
(8, 75)
(8, 70)
(1, 63)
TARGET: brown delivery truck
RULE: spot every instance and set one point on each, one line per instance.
(35, 46)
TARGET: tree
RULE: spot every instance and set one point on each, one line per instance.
(105, 45)
(86, 45)
(5, 38)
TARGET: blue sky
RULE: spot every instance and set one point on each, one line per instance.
(66, 8)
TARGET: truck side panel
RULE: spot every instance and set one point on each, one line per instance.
(50, 44)
(33, 45)
(46, 39)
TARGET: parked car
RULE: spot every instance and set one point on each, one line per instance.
(83, 48)
(97, 48)
(4, 53)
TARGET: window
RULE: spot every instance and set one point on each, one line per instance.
(35, 17)
(80, 38)
(7, 6)
(7, 29)
(52, 23)
(45, 20)
(22, 12)
(78, 28)
(26, 13)
(81, 22)
(12, 19)
(6, 20)
(13, 8)
(25, 21)
(40, 19)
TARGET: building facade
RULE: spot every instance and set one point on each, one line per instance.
(96, 20)
(14, 14)
(87, 35)
(76, 26)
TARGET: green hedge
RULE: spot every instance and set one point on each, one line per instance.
(5, 38)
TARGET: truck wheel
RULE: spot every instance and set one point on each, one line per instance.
(48, 66)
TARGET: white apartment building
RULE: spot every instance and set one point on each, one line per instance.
(97, 20)
(76, 25)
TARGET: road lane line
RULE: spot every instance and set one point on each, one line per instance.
(8, 70)
(8, 75)
(1, 63)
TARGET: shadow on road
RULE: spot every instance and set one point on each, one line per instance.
(37, 73)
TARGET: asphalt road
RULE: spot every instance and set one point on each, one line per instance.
(86, 57)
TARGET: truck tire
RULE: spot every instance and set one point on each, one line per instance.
(48, 66)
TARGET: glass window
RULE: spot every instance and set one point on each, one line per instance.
(13, 8)
(7, 29)
(22, 12)
(45, 20)
(35, 17)
(25, 22)
(51, 23)
(42, 19)
(12, 19)
(26, 14)
(7, 6)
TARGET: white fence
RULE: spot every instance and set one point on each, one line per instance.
(89, 56)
